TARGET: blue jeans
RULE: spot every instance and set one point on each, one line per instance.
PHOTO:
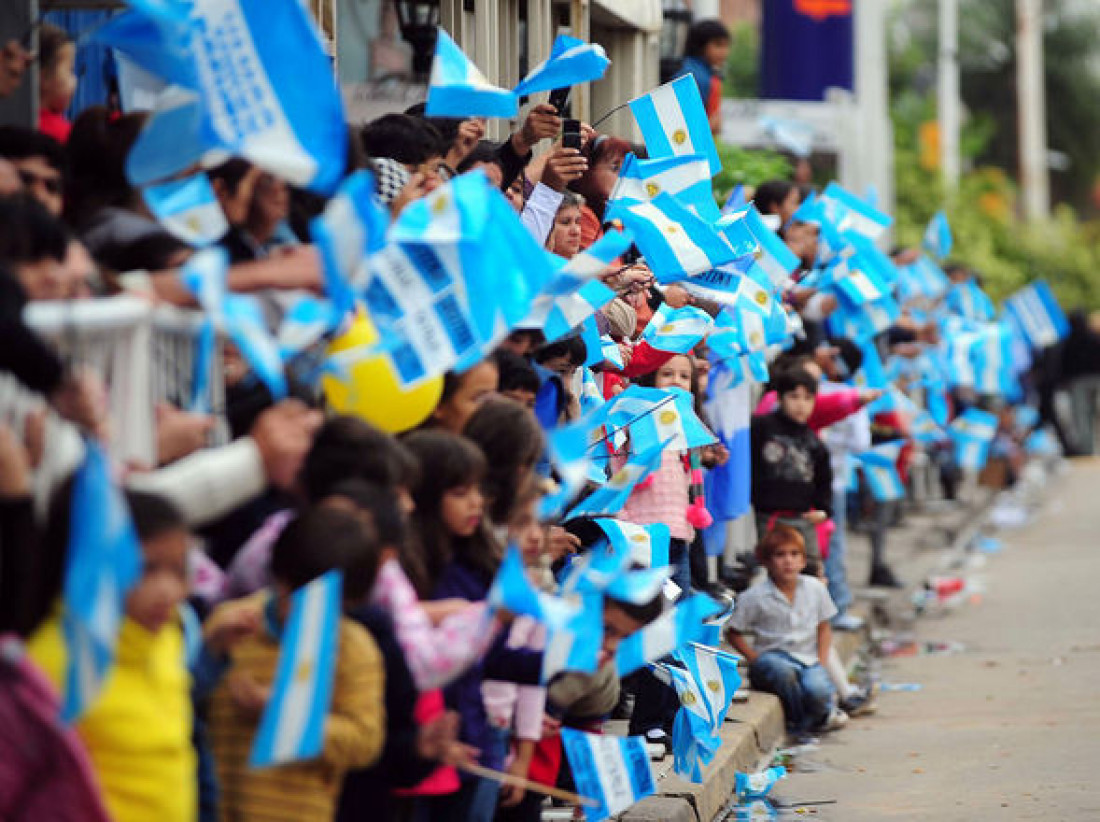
(806, 691)
(836, 567)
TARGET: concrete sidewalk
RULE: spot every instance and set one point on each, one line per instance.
(927, 541)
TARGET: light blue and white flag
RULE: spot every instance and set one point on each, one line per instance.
(673, 122)
(352, 227)
(188, 209)
(694, 743)
(735, 229)
(205, 275)
(671, 630)
(571, 61)
(715, 672)
(972, 432)
(1038, 314)
(238, 94)
(304, 323)
(676, 244)
(969, 301)
(851, 213)
(103, 561)
(512, 591)
(937, 236)
(778, 261)
(612, 770)
(590, 263)
(610, 353)
(687, 178)
(860, 287)
(610, 499)
(577, 645)
(881, 471)
(457, 88)
(292, 727)
(645, 545)
(673, 423)
(558, 316)
(677, 330)
(736, 201)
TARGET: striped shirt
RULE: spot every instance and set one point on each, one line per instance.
(354, 732)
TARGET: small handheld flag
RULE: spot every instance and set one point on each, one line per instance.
(671, 630)
(188, 209)
(292, 727)
(611, 498)
(673, 122)
(937, 236)
(687, 178)
(677, 330)
(458, 89)
(103, 561)
(571, 61)
(1036, 311)
(612, 770)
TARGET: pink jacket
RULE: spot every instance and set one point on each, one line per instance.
(663, 498)
(829, 408)
(518, 707)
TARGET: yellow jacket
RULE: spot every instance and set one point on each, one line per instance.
(138, 730)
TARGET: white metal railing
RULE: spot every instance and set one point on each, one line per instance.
(145, 355)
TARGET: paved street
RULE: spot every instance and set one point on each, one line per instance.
(1009, 729)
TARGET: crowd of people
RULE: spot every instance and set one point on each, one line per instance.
(429, 676)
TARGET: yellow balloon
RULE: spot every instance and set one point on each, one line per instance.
(372, 390)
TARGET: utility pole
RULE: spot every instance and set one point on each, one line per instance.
(949, 104)
(1031, 102)
(875, 139)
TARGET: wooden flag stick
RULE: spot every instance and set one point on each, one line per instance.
(527, 784)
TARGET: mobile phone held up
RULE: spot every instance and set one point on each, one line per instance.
(571, 134)
(559, 99)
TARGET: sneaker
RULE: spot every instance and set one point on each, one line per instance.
(847, 622)
(860, 703)
(658, 744)
(834, 721)
(883, 577)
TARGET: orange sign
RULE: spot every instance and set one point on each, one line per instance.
(822, 9)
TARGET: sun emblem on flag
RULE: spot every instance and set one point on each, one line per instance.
(671, 229)
(652, 189)
(194, 224)
(668, 417)
(714, 685)
(303, 672)
(755, 340)
(440, 206)
(688, 698)
(639, 538)
(620, 479)
(679, 137)
(761, 298)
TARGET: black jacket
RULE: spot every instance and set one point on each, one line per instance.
(790, 466)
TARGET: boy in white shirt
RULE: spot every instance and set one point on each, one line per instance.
(789, 613)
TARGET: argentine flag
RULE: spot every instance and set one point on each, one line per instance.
(577, 645)
(238, 94)
(645, 545)
(590, 263)
(677, 330)
(457, 88)
(694, 743)
(737, 233)
(674, 423)
(937, 236)
(352, 227)
(572, 61)
(860, 287)
(513, 591)
(103, 561)
(610, 499)
(558, 316)
(972, 432)
(612, 770)
(292, 727)
(188, 209)
(778, 261)
(673, 122)
(675, 242)
(880, 469)
(687, 178)
(1036, 311)
(795, 136)
(671, 630)
(736, 201)
(715, 672)
(568, 447)
(851, 213)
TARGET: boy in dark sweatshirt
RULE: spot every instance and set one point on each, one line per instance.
(791, 475)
